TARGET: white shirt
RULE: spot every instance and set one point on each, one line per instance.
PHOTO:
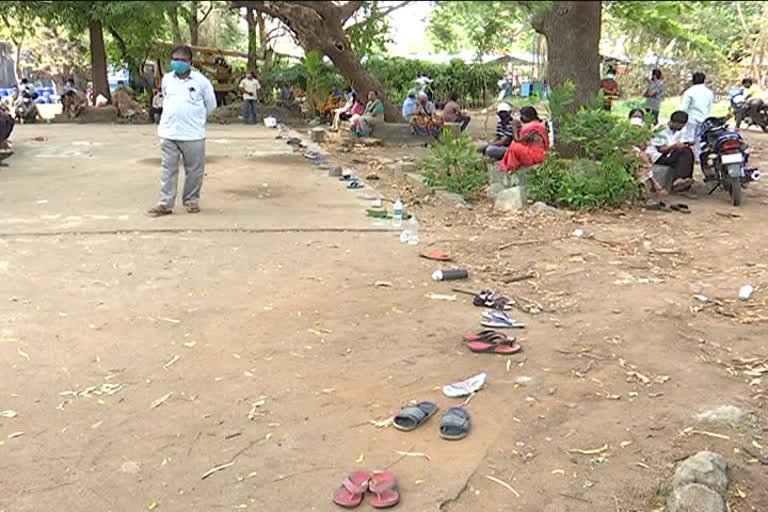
(250, 87)
(157, 101)
(187, 103)
(666, 138)
(697, 103)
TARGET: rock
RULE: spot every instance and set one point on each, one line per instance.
(509, 199)
(494, 189)
(419, 183)
(706, 468)
(317, 134)
(406, 167)
(334, 171)
(540, 207)
(728, 414)
(452, 197)
(369, 141)
(106, 114)
(695, 498)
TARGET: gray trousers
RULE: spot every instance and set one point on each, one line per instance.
(193, 152)
(495, 152)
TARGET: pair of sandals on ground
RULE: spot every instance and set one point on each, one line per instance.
(159, 210)
(491, 341)
(354, 181)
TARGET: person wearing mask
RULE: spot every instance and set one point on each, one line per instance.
(28, 89)
(505, 134)
(610, 89)
(452, 112)
(188, 100)
(409, 105)
(425, 121)
(530, 144)
(249, 87)
(697, 103)
(157, 106)
(672, 148)
(654, 95)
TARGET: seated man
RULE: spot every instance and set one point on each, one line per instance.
(505, 134)
(26, 109)
(6, 127)
(409, 105)
(670, 149)
(452, 112)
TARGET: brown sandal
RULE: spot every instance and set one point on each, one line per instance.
(159, 211)
(192, 208)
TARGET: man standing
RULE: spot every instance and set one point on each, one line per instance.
(697, 103)
(654, 95)
(6, 127)
(156, 110)
(249, 87)
(188, 100)
(610, 89)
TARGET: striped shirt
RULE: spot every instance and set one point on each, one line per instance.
(504, 129)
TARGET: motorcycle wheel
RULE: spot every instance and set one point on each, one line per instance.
(734, 187)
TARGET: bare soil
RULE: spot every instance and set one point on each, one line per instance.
(287, 349)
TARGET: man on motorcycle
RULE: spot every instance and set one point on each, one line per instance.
(754, 98)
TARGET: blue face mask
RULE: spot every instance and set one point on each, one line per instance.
(180, 67)
(610, 76)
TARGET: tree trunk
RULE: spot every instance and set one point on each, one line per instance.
(320, 26)
(249, 18)
(173, 14)
(572, 30)
(98, 61)
(18, 60)
(194, 25)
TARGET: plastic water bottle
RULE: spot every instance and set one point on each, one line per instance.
(397, 214)
(413, 230)
(746, 292)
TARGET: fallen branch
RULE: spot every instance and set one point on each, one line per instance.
(214, 470)
(518, 277)
(505, 484)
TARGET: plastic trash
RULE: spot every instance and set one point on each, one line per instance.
(397, 214)
(746, 292)
(450, 275)
(413, 230)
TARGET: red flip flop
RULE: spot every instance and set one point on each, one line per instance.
(383, 485)
(350, 493)
(504, 346)
(437, 255)
(481, 336)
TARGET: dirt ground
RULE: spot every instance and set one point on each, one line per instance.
(141, 353)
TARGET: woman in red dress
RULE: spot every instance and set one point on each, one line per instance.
(530, 145)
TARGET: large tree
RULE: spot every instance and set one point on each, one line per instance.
(325, 27)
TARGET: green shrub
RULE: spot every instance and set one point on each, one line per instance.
(454, 163)
(604, 175)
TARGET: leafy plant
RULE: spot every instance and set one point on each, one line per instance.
(604, 174)
(455, 164)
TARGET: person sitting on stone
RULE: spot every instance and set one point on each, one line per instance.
(671, 149)
(505, 134)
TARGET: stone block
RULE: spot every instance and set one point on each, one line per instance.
(695, 498)
(509, 199)
(706, 468)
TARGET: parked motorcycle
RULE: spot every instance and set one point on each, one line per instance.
(724, 158)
